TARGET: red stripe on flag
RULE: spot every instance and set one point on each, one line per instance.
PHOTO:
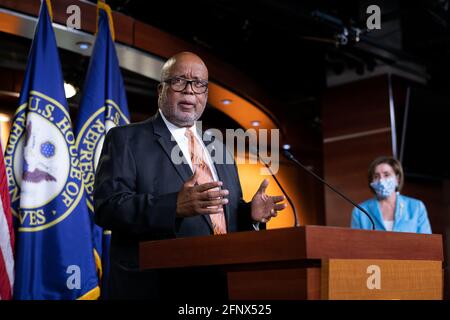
(5, 286)
(8, 239)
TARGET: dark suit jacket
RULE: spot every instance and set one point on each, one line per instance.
(136, 188)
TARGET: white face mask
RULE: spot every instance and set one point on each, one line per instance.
(384, 187)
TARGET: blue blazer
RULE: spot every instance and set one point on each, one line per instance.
(410, 216)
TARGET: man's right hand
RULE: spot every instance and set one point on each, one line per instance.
(195, 199)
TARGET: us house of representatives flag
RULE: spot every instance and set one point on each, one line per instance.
(54, 250)
(103, 106)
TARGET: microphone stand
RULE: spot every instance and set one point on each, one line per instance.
(291, 157)
(296, 220)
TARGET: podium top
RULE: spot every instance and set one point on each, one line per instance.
(289, 244)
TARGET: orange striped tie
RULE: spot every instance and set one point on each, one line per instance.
(198, 156)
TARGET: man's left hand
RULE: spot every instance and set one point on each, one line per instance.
(265, 207)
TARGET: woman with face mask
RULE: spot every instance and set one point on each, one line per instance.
(390, 210)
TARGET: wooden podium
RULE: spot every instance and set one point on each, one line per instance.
(311, 262)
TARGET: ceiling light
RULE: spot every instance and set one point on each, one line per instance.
(255, 123)
(286, 146)
(83, 45)
(69, 90)
(226, 101)
(4, 117)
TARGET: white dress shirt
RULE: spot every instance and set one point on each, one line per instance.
(389, 224)
(178, 133)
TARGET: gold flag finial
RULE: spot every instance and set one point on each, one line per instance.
(103, 6)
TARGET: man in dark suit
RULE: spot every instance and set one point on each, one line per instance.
(141, 194)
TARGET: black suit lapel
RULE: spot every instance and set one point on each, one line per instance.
(168, 144)
(183, 169)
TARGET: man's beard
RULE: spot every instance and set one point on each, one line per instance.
(182, 120)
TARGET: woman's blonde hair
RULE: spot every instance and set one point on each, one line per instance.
(395, 165)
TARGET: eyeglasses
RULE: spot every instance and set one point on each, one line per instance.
(179, 84)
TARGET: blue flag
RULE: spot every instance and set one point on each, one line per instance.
(54, 250)
(103, 106)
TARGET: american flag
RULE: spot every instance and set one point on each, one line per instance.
(6, 237)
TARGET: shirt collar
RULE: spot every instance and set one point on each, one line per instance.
(175, 130)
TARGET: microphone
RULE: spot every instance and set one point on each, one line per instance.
(296, 220)
(291, 157)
